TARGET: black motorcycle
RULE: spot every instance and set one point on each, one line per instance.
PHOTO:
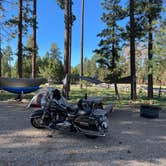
(87, 116)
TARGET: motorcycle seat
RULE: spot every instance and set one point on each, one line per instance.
(83, 112)
(72, 108)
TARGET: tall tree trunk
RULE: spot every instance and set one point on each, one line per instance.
(0, 52)
(20, 39)
(70, 40)
(113, 60)
(150, 56)
(132, 51)
(116, 91)
(0, 55)
(66, 47)
(82, 44)
(34, 40)
(70, 37)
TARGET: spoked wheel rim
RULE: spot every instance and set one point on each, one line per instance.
(36, 122)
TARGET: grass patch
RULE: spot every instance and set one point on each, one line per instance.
(4, 96)
(107, 93)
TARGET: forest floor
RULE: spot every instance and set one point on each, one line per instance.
(131, 140)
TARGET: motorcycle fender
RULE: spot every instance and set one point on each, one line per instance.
(37, 113)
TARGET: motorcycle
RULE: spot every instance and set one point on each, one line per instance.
(87, 116)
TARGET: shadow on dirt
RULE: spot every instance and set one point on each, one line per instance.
(130, 139)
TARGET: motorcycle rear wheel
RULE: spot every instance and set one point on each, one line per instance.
(36, 123)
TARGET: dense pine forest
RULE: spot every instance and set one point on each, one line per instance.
(132, 43)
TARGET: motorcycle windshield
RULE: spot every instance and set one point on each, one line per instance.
(36, 100)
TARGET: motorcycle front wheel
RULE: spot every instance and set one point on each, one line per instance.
(36, 122)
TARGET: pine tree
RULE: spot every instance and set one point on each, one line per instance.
(19, 25)
(82, 44)
(160, 54)
(52, 67)
(110, 39)
(27, 56)
(34, 39)
(132, 50)
(55, 52)
(153, 12)
(68, 19)
(5, 33)
(20, 4)
(0, 61)
(6, 62)
(1, 16)
(150, 15)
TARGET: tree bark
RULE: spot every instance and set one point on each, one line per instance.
(66, 46)
(20, 39)
(70, 37)
(150, 56)
(34, 40)
(116, 91)
(82, 44)
(113, 60)
(0, 50)
(0, 56)
(132, 51)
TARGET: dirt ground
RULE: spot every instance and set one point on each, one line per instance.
(131, 141)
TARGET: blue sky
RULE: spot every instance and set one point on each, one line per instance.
(51, 27)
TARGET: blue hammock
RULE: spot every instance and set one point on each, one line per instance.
(20, 90)
(20, 85)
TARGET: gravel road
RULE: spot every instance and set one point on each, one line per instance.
(131, 141)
